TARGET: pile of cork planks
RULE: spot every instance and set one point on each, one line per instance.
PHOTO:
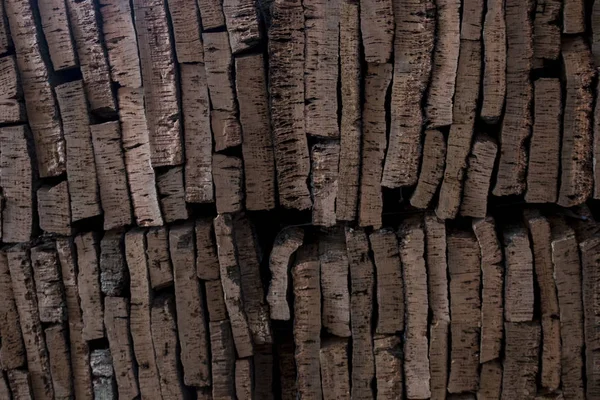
(264, 199)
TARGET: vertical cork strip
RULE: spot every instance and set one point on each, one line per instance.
(437, 265)
(518, 287)
(12, 352)
(5, 38)
(521, 352)
(186, 31)
(388, 366)
(88, 281)
(335, 374)
(60, 362)
(494, 65)
(207, 261)
(20, 384)
(48, 284)
(39, 99)
(55, 25)
(241, 17)
(12, 108)
(432, 169)
(478, 177)
(228, 175)
(286, 87)
(171, 194)
(413, 44)
(257, 144)
(81, 167)
(573, 16)
(590, 260)
(159, 260)
(324, 182)
(243, 379)
(211, 13)
(113, 274)
(373, 144)
(377, 27)
(546, 32)
(222, 360)
(54, 208)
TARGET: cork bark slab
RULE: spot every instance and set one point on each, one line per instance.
(116, 320)
(228, 175)
(595, 38)
(573, 14)
(33, 337)
(171, 194)
(159, 260)
(286, 88)
(48, 284)
(226, 128)
(335, 374)
(186, 31)
(81, 167)
(324, 182)
(334, 282)
(102, 374)
(222, 360)
(576, 153)
(590, 280)
(88, 281)
(20, 385)
(91, 55)
(243, 379)
(112, 179)
(596, 148)
(492, 282)
(207, 261)
(54, 209)
(232, 287)
(438, 358)
(80, 356)
(438, 109)
(518, 286)
(160, 82)
(12, 352)
(195, 108)
(416, 361)
(350, 124)
(113, 272)
(546, 32)
(136, 146)
(60, 362)
(121, 42)
(140, 323)
(516, 124)
(413, 44)
(494, 64)
(521, 351)
(5, 37)
(17, 182)
(377, 81)
(321, 28)
(39, 99)
(241, 18)
(461, 131)
(390, 287)
(377, 28)
(193, 336)
(215, 302)
(361, 301)
(285, 245)
(55, 25)
(544, 150)
(257, 144)
(432, 169)
(211, 13)
(12, 108)
(388, 366)
(490, 382)
(464, 265)
(478, 177)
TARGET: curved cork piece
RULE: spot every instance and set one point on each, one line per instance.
(478, 177)
(324, 182)
(432, 169)
(494, 62)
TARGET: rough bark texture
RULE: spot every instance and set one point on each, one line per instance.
(479, 173)
(55, 24)
(228, 174)
(241, 18)
(438, 358)
(88, 281)
(521, 351)
(48, 284)
(54, 209)
(12, 352)
(490, 382)
(215, 302)
(573, 16)
(518, 286)
(546, 32)
(60, 362)
(335, 374)
(12, 108)
(113, 272)
(207, 261)
(388, 366)
(377, 28)
(186, 31)
(243, 379)
(171, 193)
(432, 169)
(494, 65)
(103, 374)
(20, 385)
(324, 182)
(437, 266)
(591, 282)
(159, 261)
(222, 361)
(211, 13)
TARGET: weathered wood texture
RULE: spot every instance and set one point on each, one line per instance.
(335, 374)
(520, 360)
(60, 361)
(228, 175)
(55, 25)
(546, 32)
(591, 283)
(54, 209)
(241, 18)
(48, 284)
(88, 281)
(494, 64)
(479, 173)
(388, 366)
(12, 108)
(207, 261)
(113, 272)
(432, 169)
(159, 260)
(171, 194)
(518, 286)
(12, 352)
(324, 182)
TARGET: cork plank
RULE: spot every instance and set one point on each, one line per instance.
(195, 108)
(121, 42)
(81, 166)
(490, 382)
(91, 54)
(159, 261)
(218, 62)
(232, 288)
(388, 366)
(54, 209)
(324, 182)
(136, 146)
(5, 38)
(595, 37)
(472, 20)
(193, 336)
(285, 245)
(516, 125)
(576, 180)
(521, 359)
(257, 144)
(334, 282)
(48, 284)
(432, 169)
(241, 18)
(390, 287)
(159, 78)
(60, 361)
(243, 379)
(20, 384)
(478, 177)
(437, 265)
(546, 32)
(186, 31)
(102, 374)
(438, 358)
(350, 123)
(12, 111)
(335, 374)
(215, 302)
(113, 272)
(171, 194)
(544, 150)
(222, 360)
(17, 182)
(211, 13)
(33, 337)
(116, 320)
(12, 351)
(286, 88)
(12, 108)
(464, 266)
(413, 44)
(377, 81)
(416, 361)
(139, 315)
(39, 99)
(112, 179)
(573, 14)
(461, 131)
(518, 286)
(361, 302)
(80, 356)
(55, 25)
(494, 65)
(590, 279)
(228, 175)
(207, 261)
(88, 281)
(551, 367)
(377, 28)
(492, 283)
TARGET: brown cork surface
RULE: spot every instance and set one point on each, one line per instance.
(438, 358)
(222, 361)
(520, 365)
(573, 16)
(159, 260)
(12, 351)
(211, 13)
(48, 284)
(335, 374)
(546, 32)
(590, 283)
(478, 177)
(228, 175)
(324, 182)
(171, 194)
(243, 379)
(207, 261)
(20, 384)
(186, 31)
(54, 209)
(55, 25)
(432, 169)
(60, 361)
(518, 285)
(113, 272)
(242, 24)
(88, 282)
(215, 303)
(490, 382)
(377, 28)
(388, 366)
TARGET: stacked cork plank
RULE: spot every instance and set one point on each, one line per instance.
(342, 199)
